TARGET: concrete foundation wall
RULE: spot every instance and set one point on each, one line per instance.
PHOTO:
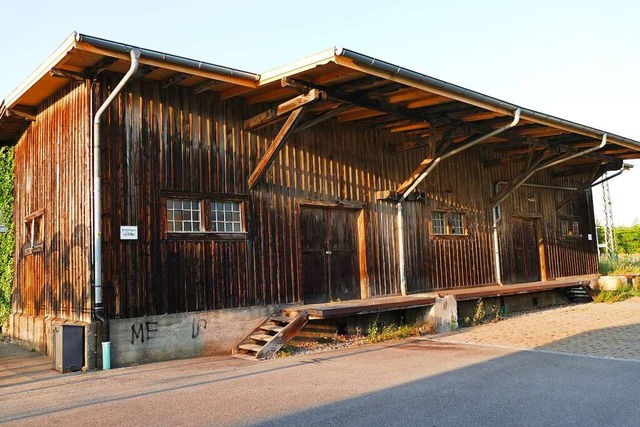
(36, 333)
(178, 336)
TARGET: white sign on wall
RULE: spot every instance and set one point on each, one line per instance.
(128, 232)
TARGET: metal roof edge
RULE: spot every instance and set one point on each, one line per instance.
(394, 72)
(167, 58)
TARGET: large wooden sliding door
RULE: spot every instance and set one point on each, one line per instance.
(330, 256)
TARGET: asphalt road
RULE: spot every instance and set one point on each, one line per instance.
(415, 382)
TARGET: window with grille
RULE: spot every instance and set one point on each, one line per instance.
(34, 232)
(570, 227)
(226, 217)
(456, 222)
(183, 215)
(437, 223)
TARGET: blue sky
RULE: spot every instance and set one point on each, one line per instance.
(574, 59)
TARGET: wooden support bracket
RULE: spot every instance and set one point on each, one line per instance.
(394, 196)
(27, 116)
(277, 113)
(596, 172)
(58, 72)
(278, 142)
(173, 80)
(423, 166)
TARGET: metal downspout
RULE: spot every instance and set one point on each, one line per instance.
(496, 246)
(97, 211)
(432, 166)
(548, 165)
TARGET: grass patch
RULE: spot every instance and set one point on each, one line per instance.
(622, 264)
(621, 294)
(379, 333)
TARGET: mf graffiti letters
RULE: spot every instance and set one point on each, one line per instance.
(143, 331)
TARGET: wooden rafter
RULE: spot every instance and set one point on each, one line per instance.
(28, 116)
(58, 72)
(276, 145)
(373, 104)
(173, 80)
(334, 111)
(204, 86)
(275, 114)
(538, 162)
(426, 162)
(99, 67)
(143, 70)
(596, 171)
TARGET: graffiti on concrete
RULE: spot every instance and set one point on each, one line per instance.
(143, 331)
(198, 324)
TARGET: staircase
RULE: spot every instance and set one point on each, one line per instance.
(582, 293)
(268, 338)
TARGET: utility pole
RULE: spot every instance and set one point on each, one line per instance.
(609, 239)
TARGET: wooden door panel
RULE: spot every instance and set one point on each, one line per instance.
(330, 264)
(526, 252)
(342, 246)
(314, 268)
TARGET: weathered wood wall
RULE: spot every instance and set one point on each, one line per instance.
(160, 143)
(52, 173)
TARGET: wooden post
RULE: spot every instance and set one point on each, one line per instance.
(276, 146)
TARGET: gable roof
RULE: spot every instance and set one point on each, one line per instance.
(369, 91)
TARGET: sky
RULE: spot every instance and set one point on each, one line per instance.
(574, 59)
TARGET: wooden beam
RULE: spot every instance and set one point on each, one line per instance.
(539, 161)
(173, 80)
(58, 72)
(426, 102)
(205, 86)
(276, 145)
(274, 114)
(30, 117)
(424, 165)
(596, 171)
(337, 109)
(372, 104)
(143, 70)
(99, 67)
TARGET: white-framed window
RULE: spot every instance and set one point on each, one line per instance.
(226, 217)
(184, 215)
(456, 223)
(438, 225)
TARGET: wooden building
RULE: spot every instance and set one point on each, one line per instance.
(336, 177)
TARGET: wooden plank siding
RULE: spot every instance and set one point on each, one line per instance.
(171, 141)
(52, 174)
(165, 143)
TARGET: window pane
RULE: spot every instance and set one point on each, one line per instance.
(225, 217)
(437, 223)
(183, 215)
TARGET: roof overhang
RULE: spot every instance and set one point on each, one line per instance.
(361, 89)
(81, 56)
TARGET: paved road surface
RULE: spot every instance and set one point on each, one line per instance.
(419, 382)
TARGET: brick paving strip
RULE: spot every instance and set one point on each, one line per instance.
(602, 330)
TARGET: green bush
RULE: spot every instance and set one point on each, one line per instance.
(623, 293)
(623, 264)
(6, 239)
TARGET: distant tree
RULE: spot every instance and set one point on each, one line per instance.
(628, 239)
